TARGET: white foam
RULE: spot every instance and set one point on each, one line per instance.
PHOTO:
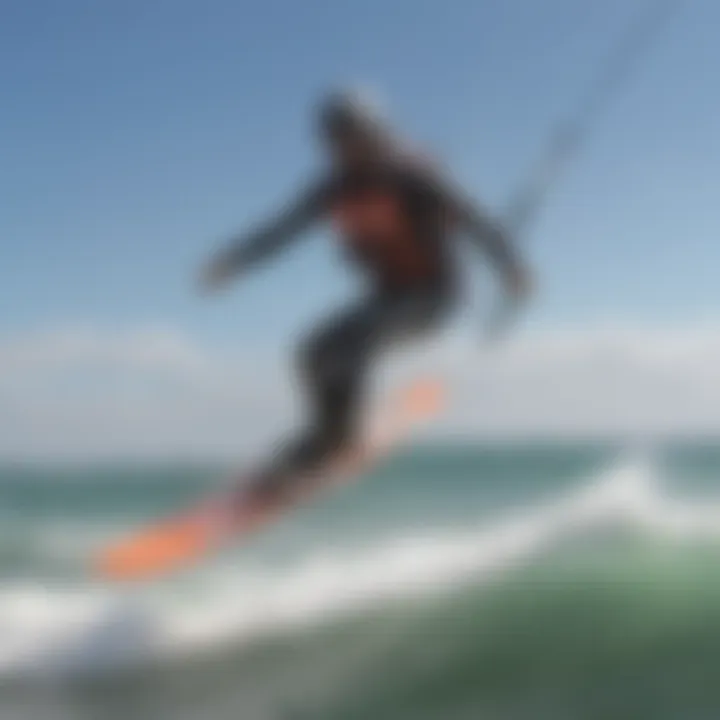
(52, 632)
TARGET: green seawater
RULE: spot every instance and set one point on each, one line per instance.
(613, 620)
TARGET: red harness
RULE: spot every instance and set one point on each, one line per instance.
(375, 223)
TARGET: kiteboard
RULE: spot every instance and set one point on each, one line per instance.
(183, 539)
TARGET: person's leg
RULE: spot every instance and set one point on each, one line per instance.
(336, 360)
(334, 365)
(329, 361)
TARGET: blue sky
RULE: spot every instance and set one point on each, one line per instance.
(136, 134)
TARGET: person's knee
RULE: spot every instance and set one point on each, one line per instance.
(311, 360)
(327, 362)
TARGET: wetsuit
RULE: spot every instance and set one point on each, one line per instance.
(396, 219)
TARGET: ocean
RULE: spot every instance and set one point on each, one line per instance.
(457, 581)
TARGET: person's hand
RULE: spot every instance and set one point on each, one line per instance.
(215, 275)
(518, 289)
(519, 285)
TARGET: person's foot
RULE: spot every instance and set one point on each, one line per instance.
(292, 465)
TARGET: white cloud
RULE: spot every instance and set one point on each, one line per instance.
(82, 346)
(611, 379)
(83, 392)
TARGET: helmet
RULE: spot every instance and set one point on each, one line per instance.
(342, 112)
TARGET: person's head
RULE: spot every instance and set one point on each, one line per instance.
(351, 127)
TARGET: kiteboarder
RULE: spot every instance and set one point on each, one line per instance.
(397, 217)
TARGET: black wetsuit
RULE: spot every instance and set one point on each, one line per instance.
(396, 219)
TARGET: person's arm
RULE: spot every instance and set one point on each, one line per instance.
(491, 237)
(253, 248)
(486, 233)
